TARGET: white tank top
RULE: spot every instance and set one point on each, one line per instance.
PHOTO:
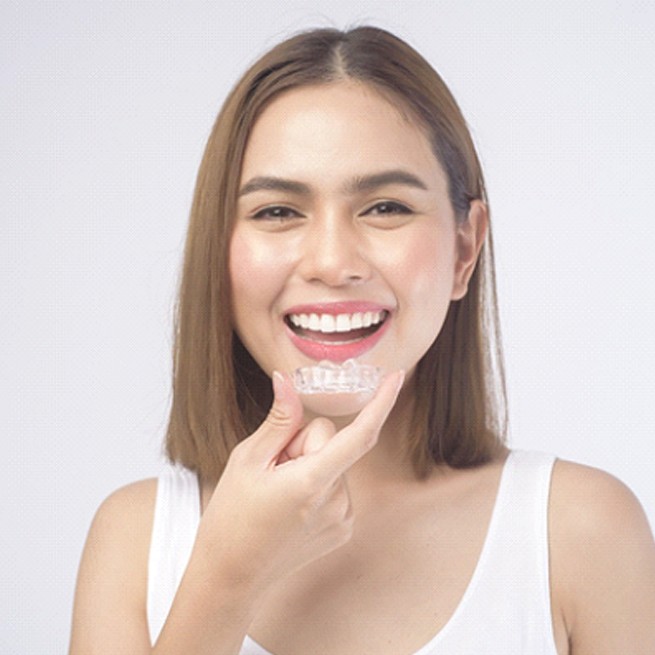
(505, 609)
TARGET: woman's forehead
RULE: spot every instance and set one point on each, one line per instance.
(347, 127)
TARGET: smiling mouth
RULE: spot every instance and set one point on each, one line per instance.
(336, 329)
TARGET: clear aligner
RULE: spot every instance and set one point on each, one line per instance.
(328, 377)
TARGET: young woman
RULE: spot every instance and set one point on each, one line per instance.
(340, 212)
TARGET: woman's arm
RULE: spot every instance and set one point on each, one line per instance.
(281, 503)
(109, 610)
(109, 614)
(602, 563)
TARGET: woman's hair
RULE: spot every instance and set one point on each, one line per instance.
(220, 394)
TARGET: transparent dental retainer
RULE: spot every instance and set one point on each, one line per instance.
(332, 389)
(330, 378)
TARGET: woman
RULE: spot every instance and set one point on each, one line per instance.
(340, 212)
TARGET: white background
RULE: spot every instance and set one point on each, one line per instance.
(105, 110)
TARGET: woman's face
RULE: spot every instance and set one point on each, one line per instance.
(345, 243)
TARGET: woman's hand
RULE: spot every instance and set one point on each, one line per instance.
(282, 501)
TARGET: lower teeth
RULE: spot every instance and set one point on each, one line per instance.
(328, 377)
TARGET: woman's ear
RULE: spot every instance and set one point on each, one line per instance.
(470, 236)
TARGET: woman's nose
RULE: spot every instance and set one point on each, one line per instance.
(333, 252)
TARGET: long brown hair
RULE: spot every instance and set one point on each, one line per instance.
(220, 394)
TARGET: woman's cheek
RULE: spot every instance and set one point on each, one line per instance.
(248, 258)
(421, 257)
(259, 267)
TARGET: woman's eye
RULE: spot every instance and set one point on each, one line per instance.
(276, 213)
(388, 208)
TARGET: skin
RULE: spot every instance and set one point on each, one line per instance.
(332, 243)
(308, 544)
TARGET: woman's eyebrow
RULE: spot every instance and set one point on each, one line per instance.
(385, 178)
(359, 184)
(268, 183)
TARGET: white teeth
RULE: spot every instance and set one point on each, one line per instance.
(328, 323)
(343, 323)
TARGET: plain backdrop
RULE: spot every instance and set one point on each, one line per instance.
(105, 110)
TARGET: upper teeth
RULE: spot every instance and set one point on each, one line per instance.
(339, 323)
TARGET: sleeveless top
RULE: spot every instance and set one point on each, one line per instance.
(505, 609)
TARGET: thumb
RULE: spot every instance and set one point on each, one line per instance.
(284, 418)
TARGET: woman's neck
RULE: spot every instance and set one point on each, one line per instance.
(389, 461)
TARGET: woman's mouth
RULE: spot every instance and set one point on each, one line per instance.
(339, 328)
(336, 336)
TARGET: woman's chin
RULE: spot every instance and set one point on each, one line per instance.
(334, 405)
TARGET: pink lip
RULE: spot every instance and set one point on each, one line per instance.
(340, 307)
(337, 352)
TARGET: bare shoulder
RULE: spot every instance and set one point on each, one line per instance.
(602, 562)
(129, 507)
(112, 581)
(592, 499)
(119, 535)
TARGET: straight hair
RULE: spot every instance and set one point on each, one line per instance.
(220, 394)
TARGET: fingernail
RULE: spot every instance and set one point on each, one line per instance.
(278, 382)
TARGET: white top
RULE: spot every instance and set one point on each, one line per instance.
(505, 609)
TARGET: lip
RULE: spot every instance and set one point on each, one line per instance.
(337, 352)
(340, 307)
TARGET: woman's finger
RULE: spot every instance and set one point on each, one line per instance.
(281, 425)
(310, 439)
(354, 441)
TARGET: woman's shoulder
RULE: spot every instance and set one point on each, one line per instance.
(589, 500)
(602, 557)
(121, 527)
(592, 510)
(130, 503)
(112, 578)
(120, 531)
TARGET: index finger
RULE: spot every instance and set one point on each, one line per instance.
(355, 440)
